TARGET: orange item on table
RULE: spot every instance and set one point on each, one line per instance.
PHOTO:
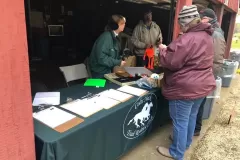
(150, 54)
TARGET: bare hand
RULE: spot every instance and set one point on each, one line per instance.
(123, 63)
(162, 46)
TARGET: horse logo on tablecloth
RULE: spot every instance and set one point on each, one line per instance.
(140, 116)
(143, 116)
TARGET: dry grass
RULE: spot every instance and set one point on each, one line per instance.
(222, 141)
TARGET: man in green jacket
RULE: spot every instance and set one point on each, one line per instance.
(105, 52)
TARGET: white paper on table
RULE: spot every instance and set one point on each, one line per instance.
(132, 90)
(84, 108)
(105, 102)
(49, 98)
(116, 95)
(53, 116)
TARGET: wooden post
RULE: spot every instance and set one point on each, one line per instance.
(230, 35)
(219, 13)
(179, 6)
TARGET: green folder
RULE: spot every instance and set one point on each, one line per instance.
(95, 82)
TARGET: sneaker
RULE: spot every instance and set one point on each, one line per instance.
(164, 151)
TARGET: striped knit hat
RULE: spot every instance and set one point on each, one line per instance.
(187, 15)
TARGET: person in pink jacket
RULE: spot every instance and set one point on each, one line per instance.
(188, 78)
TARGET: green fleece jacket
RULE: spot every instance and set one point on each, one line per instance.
(105, 53)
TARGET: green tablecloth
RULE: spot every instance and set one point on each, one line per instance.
(106, 135)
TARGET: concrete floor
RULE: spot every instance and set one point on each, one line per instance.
(146, 149)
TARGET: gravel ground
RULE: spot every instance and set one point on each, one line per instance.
(222, 141)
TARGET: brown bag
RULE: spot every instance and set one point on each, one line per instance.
(130, 61)
(157, 61)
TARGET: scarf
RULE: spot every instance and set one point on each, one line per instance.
(214, 23)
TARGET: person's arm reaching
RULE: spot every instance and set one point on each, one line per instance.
(175, 55)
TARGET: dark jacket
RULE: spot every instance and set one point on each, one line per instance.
(188, 62)
(219, 50)
(105, 54)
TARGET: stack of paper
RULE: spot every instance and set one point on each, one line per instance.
(88, 107)
(53, 117)
(116, 95)
(83, 108)
(133, 90)
(47, 98)
(105, 102)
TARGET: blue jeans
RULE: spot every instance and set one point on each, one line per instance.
(184, 115)
(199, 116)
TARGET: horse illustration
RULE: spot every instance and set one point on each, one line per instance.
(143, 116)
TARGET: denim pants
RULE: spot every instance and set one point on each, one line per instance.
(199, 116)
(184, 115)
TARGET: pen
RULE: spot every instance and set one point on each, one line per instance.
(89, 94)
(41, 107)
(95, 95)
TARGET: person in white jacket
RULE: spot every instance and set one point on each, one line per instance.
(145, 35)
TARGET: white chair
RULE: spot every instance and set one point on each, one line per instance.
(86, 62)
(74, 72)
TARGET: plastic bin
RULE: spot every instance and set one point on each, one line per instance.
(227, 72)
(235, 69)
(211, 99)
(235, 55)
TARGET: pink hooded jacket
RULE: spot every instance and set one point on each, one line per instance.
(188, 65)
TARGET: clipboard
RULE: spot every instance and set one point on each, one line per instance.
(68, 125)
(116, 95)
(133, 90)
(57, 119)
(82, 107)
